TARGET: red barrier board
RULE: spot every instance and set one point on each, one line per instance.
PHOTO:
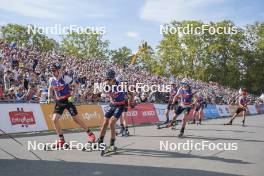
(142, 113)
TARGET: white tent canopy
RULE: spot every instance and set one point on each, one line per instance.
(262, 96)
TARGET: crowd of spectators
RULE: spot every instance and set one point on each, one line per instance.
(24, 75)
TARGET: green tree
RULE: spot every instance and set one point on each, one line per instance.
(22, 36)
(85, 45)
(148, 60)
(121, 56)
(232, 58)
(254, 58)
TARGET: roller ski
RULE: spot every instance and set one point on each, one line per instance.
(123, 132)
(159, 126)
(109, 150)
(166, 125)
(229, 123)
(90, 148)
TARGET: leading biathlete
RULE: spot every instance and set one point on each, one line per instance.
(243, 102)
(59, 84)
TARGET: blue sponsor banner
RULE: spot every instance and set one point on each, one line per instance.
(261, 108)
(211, 112)
(160, 110)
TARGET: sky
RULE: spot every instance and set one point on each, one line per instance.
(128, 22)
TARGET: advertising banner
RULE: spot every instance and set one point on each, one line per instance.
(260, 108)
(252, 109)
(92, 115)
(211, 112)
(223, 110)
(21, 118)
(160, 111)
(142, 113)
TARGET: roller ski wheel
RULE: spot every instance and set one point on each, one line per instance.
(109, 150)
(125, 133)
(121, 132)
(161, 125)
(84, 149)
(167, 125)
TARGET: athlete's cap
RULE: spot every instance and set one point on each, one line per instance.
(55, 66)
(110, 74)
(184, 81)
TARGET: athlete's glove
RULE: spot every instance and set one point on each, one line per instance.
(71, 99)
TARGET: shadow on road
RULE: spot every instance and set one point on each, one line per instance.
(235, 131)
(62, 168)
(221, 138)
(174, 154)
(202, 138)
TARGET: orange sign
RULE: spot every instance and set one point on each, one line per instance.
(92, 115)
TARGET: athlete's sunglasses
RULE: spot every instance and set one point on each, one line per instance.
(53, 70)
(183, 84)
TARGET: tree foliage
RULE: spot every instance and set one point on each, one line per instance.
(121, 56)
(233, 58)
(22, 36)
(85, 45)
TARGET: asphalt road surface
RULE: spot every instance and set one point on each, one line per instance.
(141, 154)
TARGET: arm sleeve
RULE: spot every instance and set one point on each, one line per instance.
(49, 82)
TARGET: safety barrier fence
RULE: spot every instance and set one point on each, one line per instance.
(28, 117)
